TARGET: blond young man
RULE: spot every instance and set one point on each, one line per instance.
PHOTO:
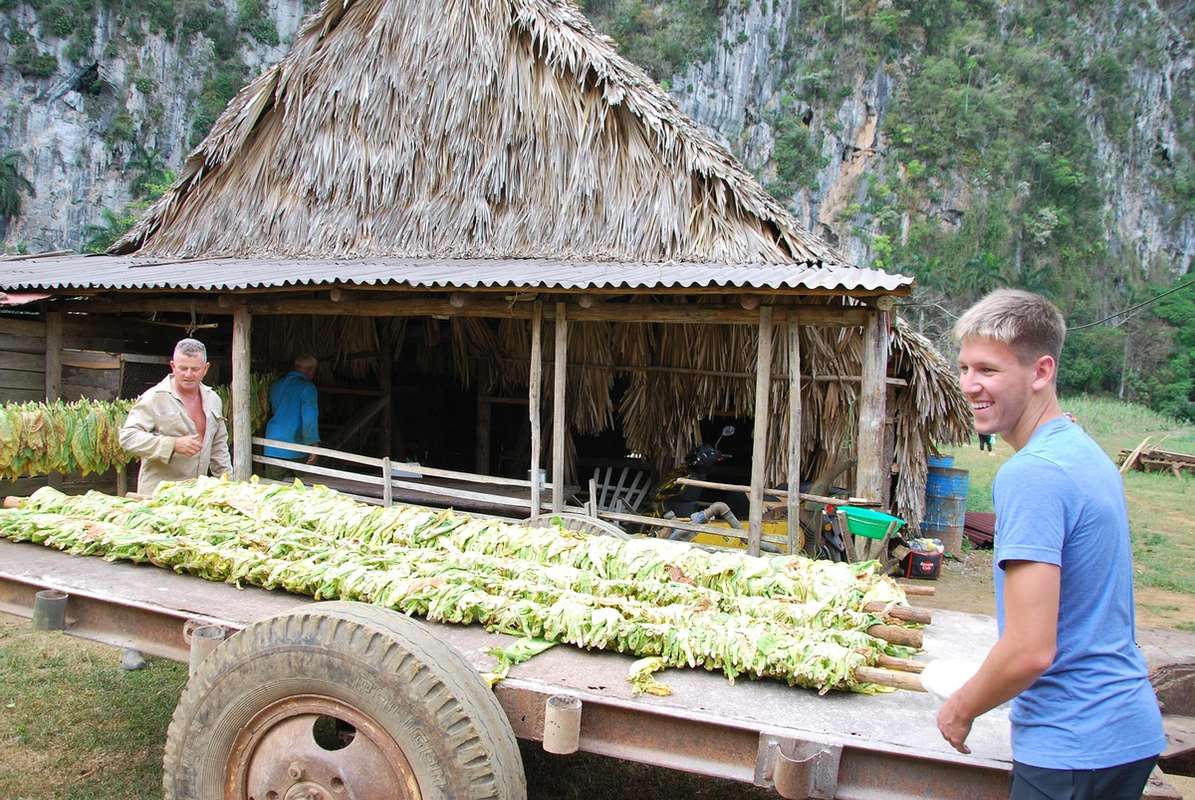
(177, 426)
(1085, 721)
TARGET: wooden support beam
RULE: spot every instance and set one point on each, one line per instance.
(533, 388)
(872, 472)
(559, 375)
(387, 483)
(53, 355)
(242, 447)
(759, 448)
(484, 409)
(688, 313)
(386, 381)
(794, 435)
(363, 417)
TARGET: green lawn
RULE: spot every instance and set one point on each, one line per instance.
(73, 724)
(1160, 516)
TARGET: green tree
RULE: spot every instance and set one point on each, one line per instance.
(147, 168)
(117, 223)
(13, 185)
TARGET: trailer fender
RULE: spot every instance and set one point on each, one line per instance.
(339, 700)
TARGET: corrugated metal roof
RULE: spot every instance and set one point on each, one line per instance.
(131, 272)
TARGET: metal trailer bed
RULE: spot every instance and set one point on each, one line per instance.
(883, 746)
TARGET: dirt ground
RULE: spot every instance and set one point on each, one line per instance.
(966, 585)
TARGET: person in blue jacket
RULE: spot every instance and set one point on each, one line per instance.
(1085, 720)
(295, 403)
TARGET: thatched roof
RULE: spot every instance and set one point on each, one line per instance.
(512, 129)
(467, 128)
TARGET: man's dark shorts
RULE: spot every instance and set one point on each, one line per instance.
(1122, 782)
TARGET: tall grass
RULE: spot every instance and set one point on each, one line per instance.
(1160, 517)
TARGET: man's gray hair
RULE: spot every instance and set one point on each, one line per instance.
(190, 347)
(306, 361)
(1028, 323)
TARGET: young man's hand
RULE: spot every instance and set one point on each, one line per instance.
(954, 724)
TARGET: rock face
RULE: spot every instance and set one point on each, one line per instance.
(81, 129)
(736, 94)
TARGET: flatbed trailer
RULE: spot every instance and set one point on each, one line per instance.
(839, 745)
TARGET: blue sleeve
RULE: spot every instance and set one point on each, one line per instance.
(1033, 499)
(310, 415)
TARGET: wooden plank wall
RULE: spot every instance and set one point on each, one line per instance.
(91, 368)
(22, 359)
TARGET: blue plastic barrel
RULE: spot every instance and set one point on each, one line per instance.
(946, 506)
(940, 461)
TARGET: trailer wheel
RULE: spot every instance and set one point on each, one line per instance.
(339, 700)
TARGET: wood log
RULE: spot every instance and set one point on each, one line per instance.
(559, 379)
(871, 472)
(922, 616)
(793, 505)
(891, 678)
(759, 446)
(900, 664)
(813, 498)
(1132, 459)
(533, 389)
(898, 635)
(242, 430)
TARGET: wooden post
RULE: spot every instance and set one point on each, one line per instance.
(54, 371)
(794, 434)
(242, 447)
(759, 449)
(872, 472)
(537, 368)
(386, 379)
(122, 482)
(53, 355)
(483, 432)
(559, 375)
(388, 483)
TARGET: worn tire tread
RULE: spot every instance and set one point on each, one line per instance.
(465, 712)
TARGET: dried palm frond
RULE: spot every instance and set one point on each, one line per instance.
(485, 128)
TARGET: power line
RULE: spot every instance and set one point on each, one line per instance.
(1122, 312)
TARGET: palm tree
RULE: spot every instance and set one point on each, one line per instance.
(12, 185)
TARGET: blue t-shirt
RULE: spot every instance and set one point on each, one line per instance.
(295, 401)
(1060, 501)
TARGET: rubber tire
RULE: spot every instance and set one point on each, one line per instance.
(385, 664)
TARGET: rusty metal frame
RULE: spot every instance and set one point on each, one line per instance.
(154, 630)
(655, 735)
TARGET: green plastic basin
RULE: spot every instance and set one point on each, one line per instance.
(869, 523)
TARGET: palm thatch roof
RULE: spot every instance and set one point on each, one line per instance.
(483, 128)
(512, 129)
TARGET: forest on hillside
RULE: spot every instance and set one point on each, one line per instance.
(1049, 146)
(1014, 106)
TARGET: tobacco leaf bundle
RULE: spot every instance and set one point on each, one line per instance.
(79, 437)
(813, 633)
(83, 437)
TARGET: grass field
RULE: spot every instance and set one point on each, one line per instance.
(1160, 515)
